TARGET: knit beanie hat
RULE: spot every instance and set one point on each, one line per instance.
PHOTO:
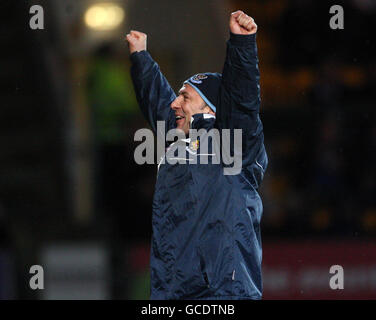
(207, 86)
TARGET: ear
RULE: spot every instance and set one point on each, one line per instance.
(209, 110)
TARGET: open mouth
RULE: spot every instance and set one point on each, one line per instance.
(179, 118)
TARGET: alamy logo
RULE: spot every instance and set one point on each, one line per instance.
(226, 147)
(37, 280)
(37, 20)
(337, 20)
(337, 280)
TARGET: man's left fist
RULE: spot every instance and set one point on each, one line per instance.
(240, 23)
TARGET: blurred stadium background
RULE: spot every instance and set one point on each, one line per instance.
(73, 200)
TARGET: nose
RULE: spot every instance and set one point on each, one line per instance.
(175, 104)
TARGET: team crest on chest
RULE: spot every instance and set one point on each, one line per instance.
(194, 145)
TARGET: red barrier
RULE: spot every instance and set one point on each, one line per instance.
(294, 270)
(300, 269)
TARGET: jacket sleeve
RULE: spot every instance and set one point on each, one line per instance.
(153, 92)
(239, 103)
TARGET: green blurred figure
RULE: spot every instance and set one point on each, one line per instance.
(110, 96)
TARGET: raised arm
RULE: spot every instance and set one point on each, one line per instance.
(240, 77)
(154, 93)
(240, 90)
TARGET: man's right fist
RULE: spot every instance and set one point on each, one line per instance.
(136, 41)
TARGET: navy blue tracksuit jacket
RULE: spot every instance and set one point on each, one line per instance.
(206, 241)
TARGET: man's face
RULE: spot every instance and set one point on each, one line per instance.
(186, 104)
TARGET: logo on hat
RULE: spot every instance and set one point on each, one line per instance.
(198, 78)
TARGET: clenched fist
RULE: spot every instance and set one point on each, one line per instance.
(240, 23)
(136, 41)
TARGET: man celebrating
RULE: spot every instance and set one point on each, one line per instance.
(206, 241)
